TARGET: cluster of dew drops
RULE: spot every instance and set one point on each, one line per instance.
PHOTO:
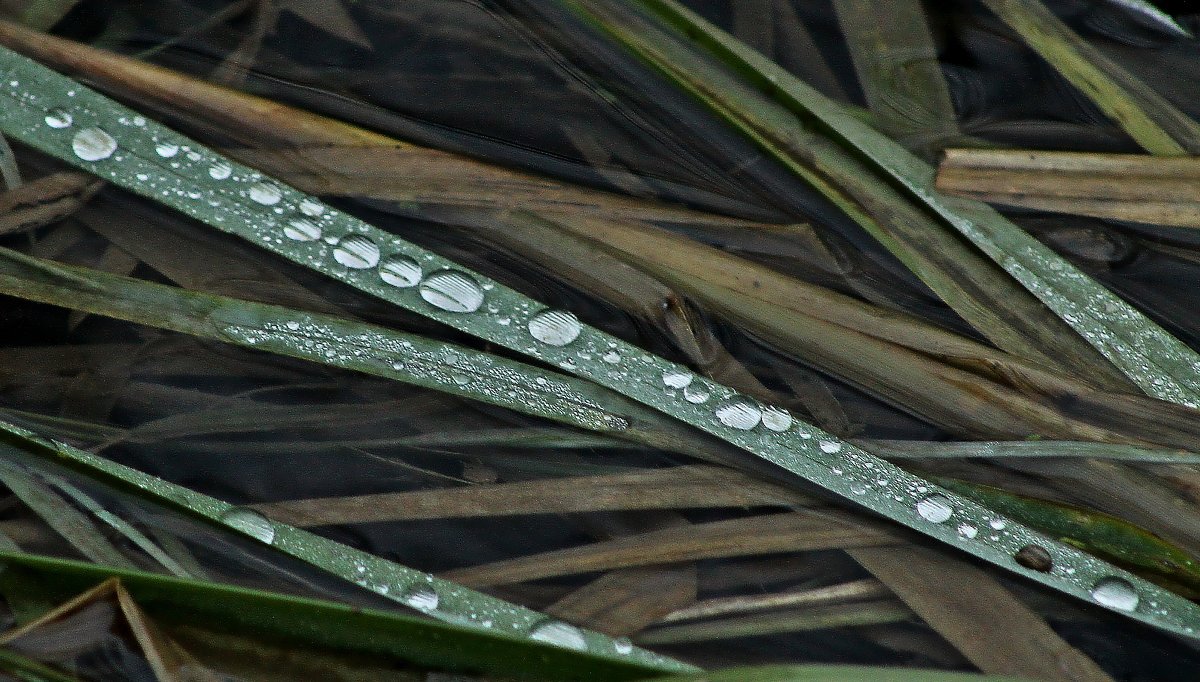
(457, 292)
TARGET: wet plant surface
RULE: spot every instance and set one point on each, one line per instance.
(599, 339)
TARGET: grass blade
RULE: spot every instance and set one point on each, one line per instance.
(1147, 354)
(255, 208)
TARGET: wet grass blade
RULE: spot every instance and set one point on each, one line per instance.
(1113, 186)
(1147, 354)
(441, 599)
(1023, 449)
(124, 147)
(1145, 115)
(392, 637)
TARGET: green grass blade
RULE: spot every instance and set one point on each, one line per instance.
(832, 673)
(126, 148)
(438, 598)
(1141, 112)
(314, 623)
(1151, 357)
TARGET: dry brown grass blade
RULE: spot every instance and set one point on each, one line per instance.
(1162, 191)
(987, 623)
(627, 600)
(876, 612)
(964, 386)
(766, 534)
(323, 155)
(45, 201)
(673, 488)
(855, 590)
(168, 660)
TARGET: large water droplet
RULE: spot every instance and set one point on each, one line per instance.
(559, 634)
(251, 523)
(738, 412)
(555, 327)
(776, 419)
(829, 447)
(220, 170)
(93, 144)
(302, 230)
(935, 508)
(1115, 593)
(59, 118)
(674, 378)
(356, 251)
(695, 393)
(265, 194)
(421, 598)
(166, 149)
(452, 291)
(400, 271)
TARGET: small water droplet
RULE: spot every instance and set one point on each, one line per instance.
(311, 207)
(265, 194)
(555, 327)
(422, 598)
(460, 379)
(776, 419)
(293, 325)
(400, 271)
(622, 645)
(559, 634)
(1034, 557)
(251, 523)
(59, 118)
(858, 487)
(935, 508)
(1115, 593)
(356, 251)
(997, 524)
(695, 393)
(674, 378)
(452, 291)
(967, 531)
(739, 413)
(220, 170)
(612, 357)
(829, 447)
(166, 149)
(302, 230)
(93, 144)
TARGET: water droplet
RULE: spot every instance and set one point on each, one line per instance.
(400, 271)
(935, 508)
(422, 598)
(739, 413)
(93, 144)
(674, 378)
(460, 379)
(220, 170)
(251, 523)
(997, 524)
(559, 634)
(967, 531)
(356, 251)
(1115, 593)
(311, 207)
(166, 149)
(59, 118)
(555, 327)
(829, 446)
(776, 419)
(1034, 557)
(265, 194)
(612, 357)
(452, 291)
(858, 488)
(695, 393)
(301, 230)
(622, 645)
